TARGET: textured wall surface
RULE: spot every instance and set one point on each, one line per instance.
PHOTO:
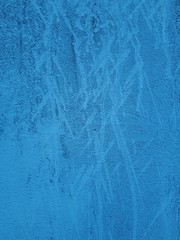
(89, 120)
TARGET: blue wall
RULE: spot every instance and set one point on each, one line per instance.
(89, 120)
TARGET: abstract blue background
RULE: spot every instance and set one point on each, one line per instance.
(89, 120)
